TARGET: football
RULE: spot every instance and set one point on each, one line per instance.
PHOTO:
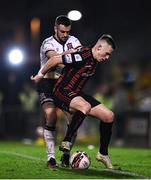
(80, 160)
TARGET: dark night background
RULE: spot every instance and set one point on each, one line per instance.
(127, 21)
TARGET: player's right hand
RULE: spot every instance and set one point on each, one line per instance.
(36, 78)
(70, 51)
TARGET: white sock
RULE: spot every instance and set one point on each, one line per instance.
(49, 137)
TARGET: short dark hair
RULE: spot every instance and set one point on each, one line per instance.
(109, 40)
(62, 19)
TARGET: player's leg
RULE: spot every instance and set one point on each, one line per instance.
(49, 134)
(69, 117)
(66, 155)
(106, 115)
(81, 108)
(49, 129)
(44, 88)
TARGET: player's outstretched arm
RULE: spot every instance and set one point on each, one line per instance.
(53, 61)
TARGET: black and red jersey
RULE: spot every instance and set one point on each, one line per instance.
(79, 67)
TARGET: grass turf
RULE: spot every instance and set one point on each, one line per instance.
(20, 161)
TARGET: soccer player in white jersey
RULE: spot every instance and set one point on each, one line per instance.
(58, 43)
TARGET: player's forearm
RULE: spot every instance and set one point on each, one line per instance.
(51, 63)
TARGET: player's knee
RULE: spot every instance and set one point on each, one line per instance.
(110, 117)
(49, 112)
(50, 117)
(85, 108)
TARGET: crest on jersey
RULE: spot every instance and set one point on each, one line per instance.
(69, 46)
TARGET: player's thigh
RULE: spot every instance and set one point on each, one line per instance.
(101, 112)
(79, 103)
(46, 100)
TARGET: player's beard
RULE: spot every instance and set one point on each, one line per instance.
(62, 40)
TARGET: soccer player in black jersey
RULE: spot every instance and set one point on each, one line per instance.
(68, 95)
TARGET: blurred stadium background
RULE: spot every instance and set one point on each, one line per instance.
(123, 83)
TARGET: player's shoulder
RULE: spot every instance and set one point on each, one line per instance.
(85, 49)
(85, 52)
(47, 40)
(73, 38)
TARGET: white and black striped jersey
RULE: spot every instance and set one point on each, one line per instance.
(51, 44)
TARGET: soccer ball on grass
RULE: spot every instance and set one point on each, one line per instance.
(80, 160)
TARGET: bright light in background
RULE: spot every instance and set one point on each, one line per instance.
(15, 56)
(74, 15)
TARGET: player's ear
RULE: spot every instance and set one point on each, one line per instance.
(55, 29)
(99, 46)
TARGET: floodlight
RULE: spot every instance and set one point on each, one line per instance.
(15, 56)
(74, 15)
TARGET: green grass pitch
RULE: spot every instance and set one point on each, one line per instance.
(20, 161)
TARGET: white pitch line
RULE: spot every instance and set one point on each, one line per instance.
(108, 170)
(22, 155)
(122, 172)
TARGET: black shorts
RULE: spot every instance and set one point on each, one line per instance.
(45, 90)
(62, 99)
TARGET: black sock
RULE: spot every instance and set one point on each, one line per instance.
(77, 120)
(66, 152)
(73, 137)
(105, 136)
